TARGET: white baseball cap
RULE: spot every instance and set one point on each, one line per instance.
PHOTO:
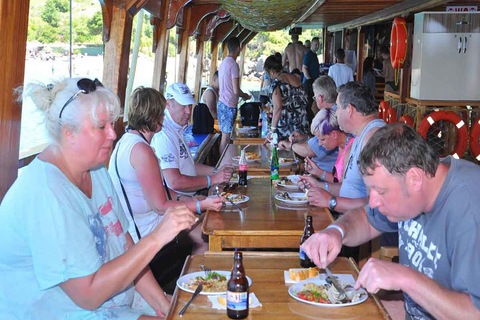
(180, 93)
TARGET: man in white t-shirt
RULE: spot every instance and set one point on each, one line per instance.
(340, 72)
(181, 173)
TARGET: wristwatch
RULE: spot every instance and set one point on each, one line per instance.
(332, 203)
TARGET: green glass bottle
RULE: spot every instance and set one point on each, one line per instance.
(274, 172)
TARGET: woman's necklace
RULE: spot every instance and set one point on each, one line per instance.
(139, 132)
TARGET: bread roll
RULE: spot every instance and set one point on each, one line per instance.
(298, 274)
(312, 272)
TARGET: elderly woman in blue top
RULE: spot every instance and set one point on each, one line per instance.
(66, 252)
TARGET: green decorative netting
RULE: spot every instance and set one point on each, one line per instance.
(265, 15)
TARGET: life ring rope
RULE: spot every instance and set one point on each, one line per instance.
(453, 118)
(474, 139)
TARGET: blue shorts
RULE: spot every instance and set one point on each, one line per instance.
(226, 117)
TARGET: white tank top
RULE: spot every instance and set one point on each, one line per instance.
(214, 92)
(145, 218)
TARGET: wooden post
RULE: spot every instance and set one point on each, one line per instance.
(242, 65)
(117, 51)
(199, 72)
(183, 42)
(161, 52)
(224, 50)
(13, 38)
(213, 66)
(360, 56)
(324, 44)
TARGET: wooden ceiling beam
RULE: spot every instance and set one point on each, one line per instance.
(399, 9)
(154, 7)
(248, 38)
(175, 7)
(222, 30)
(220, 18)
(134, 6)
(199, 13)
(107, 9)
(308, 11)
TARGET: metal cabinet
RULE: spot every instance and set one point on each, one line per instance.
(446, 56)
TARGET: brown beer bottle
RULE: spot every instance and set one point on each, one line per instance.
(305, 261)
(237, 290)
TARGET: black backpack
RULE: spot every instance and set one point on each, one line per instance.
(249, 113)
(202, 119)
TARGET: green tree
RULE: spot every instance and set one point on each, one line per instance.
(95, 23)
(50, 14)
(62, 5)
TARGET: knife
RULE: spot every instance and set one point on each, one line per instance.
(342, 294)
(197, 291)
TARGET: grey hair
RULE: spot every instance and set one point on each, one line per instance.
(325, 85)
(51, 98)
(398, 147)
(359, 96)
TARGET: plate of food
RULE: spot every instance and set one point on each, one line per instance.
(283, 162)
(292, 197)
(251, 157)
(289, 182)
(234, 197)
(215, 282)
(318, 292)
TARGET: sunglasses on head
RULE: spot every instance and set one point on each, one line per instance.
(84, 86)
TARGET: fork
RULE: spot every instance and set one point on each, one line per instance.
(206, 270)
(231, 202)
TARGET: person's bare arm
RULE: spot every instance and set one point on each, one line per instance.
(203, 170)
(305, 72)
(303, 150)
(211, 102)
(90, 292)
(149, 288)
(320, 198)
(324, 246)
(238, 91)
(277, 107)
(441, 302)
(145, 163)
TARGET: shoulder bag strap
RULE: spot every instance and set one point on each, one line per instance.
(125, 194)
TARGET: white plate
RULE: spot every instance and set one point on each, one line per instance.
(294, 289)
(286, 164)
(183, 281)
(293, 195)
(292, 178)
(245, 199)
(237, 158)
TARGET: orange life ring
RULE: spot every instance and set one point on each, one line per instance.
(382, 109)
(406, 119)
(398, 43)
(451, 117)
(391, 115)
(474, 136)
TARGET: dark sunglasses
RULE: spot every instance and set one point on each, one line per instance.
(84, 86)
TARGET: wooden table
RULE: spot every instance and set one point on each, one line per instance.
(263, 224)
(259, 168)
(247, 137)
(266, 272)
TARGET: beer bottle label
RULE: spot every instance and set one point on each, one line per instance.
(237, 300)
(302, 254)
(242, 167)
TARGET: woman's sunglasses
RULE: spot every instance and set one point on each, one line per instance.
(84, 86)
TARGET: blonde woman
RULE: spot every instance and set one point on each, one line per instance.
(66, 252)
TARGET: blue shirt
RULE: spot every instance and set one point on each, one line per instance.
(325, 159)
(51, 232)
(310, 60)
